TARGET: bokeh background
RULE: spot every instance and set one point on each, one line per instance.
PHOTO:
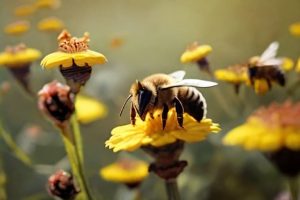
(154, 34)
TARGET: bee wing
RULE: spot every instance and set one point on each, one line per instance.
(178, 75)
(274, 62)
(191, 83)
(269, 53)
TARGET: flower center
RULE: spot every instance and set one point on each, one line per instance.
(15, 49)
(69, 44)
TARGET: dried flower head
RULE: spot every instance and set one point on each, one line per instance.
(17, 28)
(74, 59)
(274, 130)
(130, 172)
(51, 24)
(57, 102)
(61, 184)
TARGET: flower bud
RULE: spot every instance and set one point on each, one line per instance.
(61, 184)
(57, 102)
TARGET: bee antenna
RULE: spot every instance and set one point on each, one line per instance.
(129, 97)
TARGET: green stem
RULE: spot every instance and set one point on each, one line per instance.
(77, 137)
(172, 189)
(293, 187)
(76, 165)
(15, 149)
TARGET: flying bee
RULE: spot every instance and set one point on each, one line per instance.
(267, 66)
(165, 91)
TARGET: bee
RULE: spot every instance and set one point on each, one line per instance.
(267, 66)
(165, 91)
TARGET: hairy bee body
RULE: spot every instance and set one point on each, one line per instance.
(152, 93)
(270, 73)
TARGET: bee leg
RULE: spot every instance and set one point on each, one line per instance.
(179, 110)
(269, 84)
(165, 115)
(132, 115)
(151, 115)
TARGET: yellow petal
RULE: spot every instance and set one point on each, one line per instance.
(196, 54)
(81, 59)
(50, 24)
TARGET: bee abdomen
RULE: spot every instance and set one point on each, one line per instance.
(193, 102)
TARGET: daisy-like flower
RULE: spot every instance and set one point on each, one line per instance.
(89, 109)
(196, 53)
(52, 4)
(274, 130)
(150, 132)
(17, 28)
(295, 29)
(74, 59)
(130, 172)
(51, 24)
(236, 75)
(24, 10)
(18, 60)
(165, 145)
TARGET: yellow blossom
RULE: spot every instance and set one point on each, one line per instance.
(287, 64)
(89, 109)
(73, 50)
(17, 28)
(236, 74)
(24, 10)
(150, 132)
(269, 129)
(195, 52)
(297, 67)
(261, 86)
(18, 56)
(295, 29)
(127, 171)
(47, 3)
(50, 24)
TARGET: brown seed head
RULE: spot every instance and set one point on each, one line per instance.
(70, 44)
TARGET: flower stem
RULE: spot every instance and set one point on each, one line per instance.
(15, 149)
(76, 164)
(293, 187)
(172, 189)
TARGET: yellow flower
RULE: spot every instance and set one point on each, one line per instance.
(127, 171)
(261, 86)
(195, 52)
(73, 50)
(269, 129)
(50, 24)
(297, 68)
(89, 109)
(150, 132)
(17, 28)
(236, 74)
(295, 29)
(24, 10)
(47, 3)
(18, 55)
(287, 64)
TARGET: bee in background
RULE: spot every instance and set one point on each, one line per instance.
(267, 67)
(165, 91)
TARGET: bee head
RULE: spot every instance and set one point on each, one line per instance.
(142, 97)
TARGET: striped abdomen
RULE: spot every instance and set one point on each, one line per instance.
(193, 102)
